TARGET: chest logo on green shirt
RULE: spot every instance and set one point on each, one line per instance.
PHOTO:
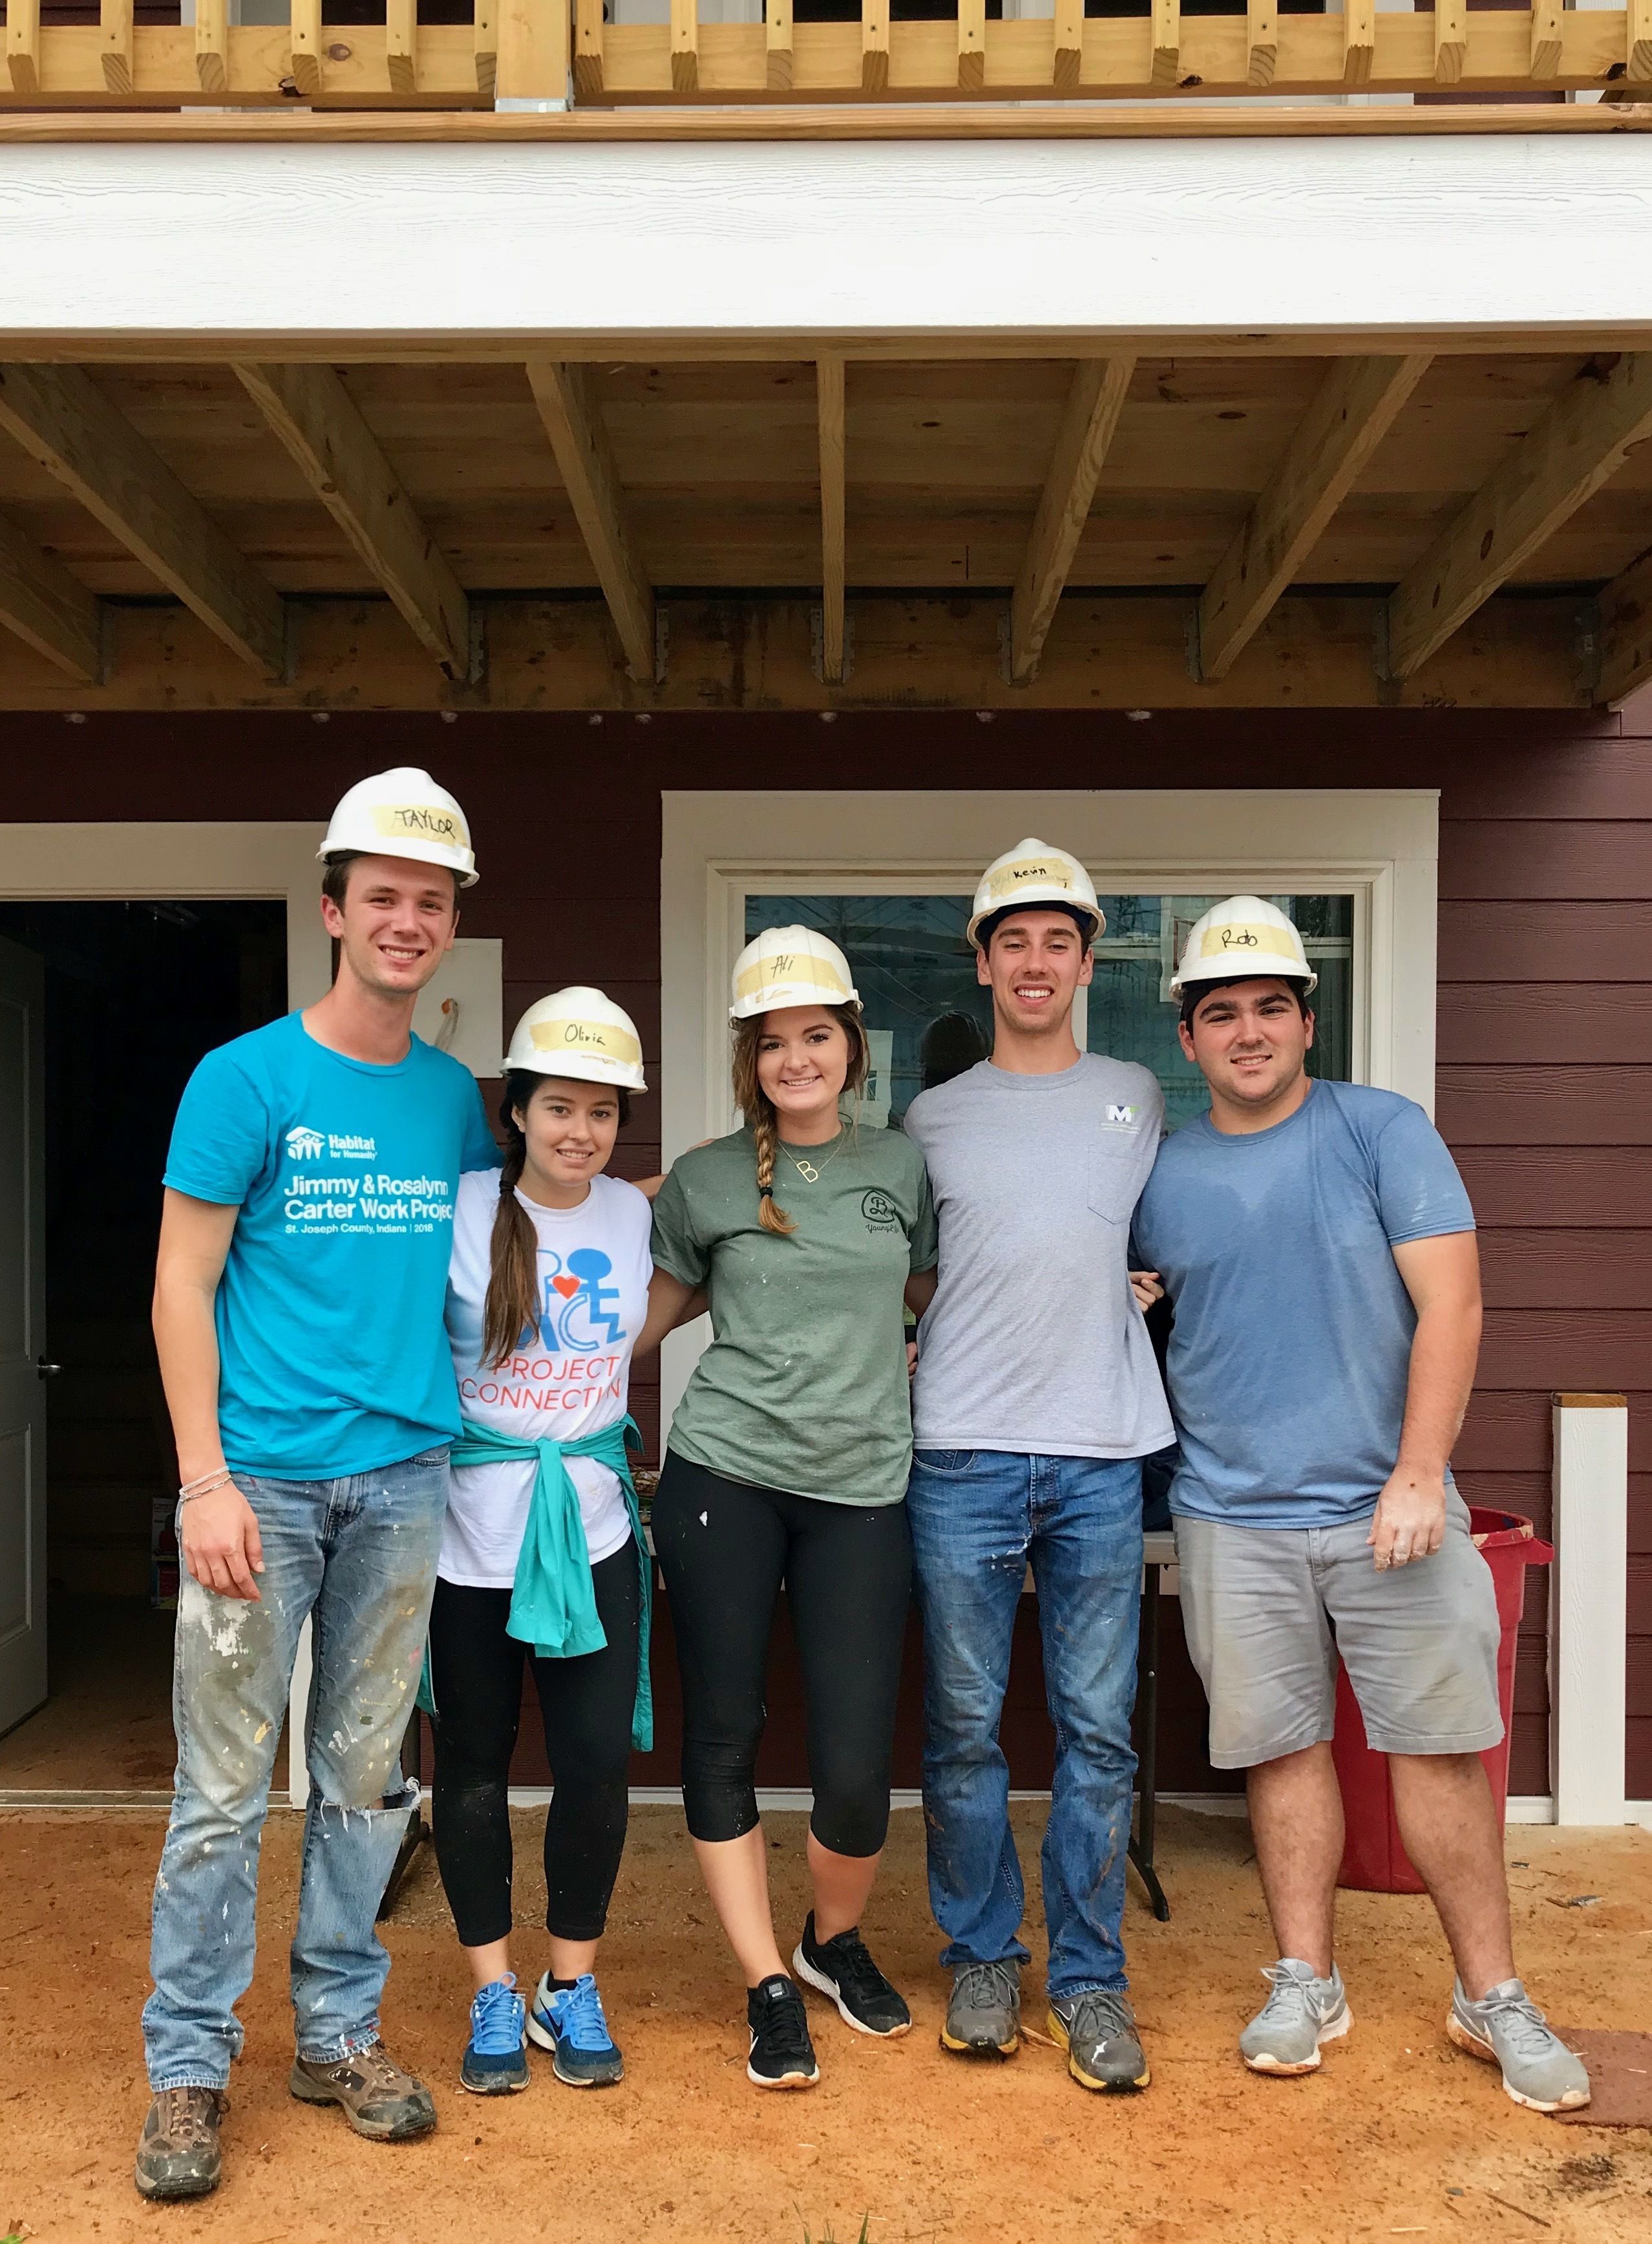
(879, 1210)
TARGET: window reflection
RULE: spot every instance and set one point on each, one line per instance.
(927, 1018)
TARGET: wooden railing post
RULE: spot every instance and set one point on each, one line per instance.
(536, 54)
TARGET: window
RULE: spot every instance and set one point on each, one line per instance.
(928, 1018)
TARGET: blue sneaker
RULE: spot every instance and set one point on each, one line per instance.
(568, 2021)
(496, 2060)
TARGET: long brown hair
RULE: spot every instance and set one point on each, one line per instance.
(512, 1305)
(758, 1110)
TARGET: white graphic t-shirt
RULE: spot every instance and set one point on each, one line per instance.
(567, 1377)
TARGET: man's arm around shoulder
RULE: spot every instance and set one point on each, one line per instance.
(217, 1534)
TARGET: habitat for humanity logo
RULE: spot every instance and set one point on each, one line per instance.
(304, 1144)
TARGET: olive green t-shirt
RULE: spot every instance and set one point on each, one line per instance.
(803, 1387)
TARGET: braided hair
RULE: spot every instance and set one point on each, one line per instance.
(512, 1306)
(758, 1110)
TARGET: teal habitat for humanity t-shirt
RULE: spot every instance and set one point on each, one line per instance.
(334, 1359)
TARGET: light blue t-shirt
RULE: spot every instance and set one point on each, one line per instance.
(1292, 1345)
(333, 1355)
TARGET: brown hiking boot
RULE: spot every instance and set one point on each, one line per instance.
(380, 2100)
(178, 2152)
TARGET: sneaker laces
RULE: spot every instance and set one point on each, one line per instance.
(1287, 2004)
(986, 1986)
(1527, 2030)
(784, 2028)
(851, 1962)
(495, 2018)
(581, 2018)
(378, 2068)
(185, 2120)
(1101, 2015)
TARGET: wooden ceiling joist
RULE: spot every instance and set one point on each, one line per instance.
(1577, 445)
(1354, 410)
(1094, 403)
(49, 610)
(1625, 634)
(64, 423)
(311, 411)
(573, 422)
(830, 414)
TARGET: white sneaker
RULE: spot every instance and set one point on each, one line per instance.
(1301, 2012)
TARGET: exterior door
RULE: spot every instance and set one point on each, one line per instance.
(23, 1340)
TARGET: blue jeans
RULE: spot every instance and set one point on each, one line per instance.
(358, 1557)
(978, 1518)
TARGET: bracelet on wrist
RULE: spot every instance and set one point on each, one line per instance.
(205, 1484)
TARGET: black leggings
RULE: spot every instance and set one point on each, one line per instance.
(724, 1548)
(476, 1671)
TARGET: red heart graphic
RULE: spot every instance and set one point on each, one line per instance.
(566, 1286)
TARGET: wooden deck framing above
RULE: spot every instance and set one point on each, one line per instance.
(1283, 422)
(517, 50)
(828, 533)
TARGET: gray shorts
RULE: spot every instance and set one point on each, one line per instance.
(1268, 1611)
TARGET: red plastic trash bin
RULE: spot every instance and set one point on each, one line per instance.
(1373, 1857)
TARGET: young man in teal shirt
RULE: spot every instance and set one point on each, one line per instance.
(297, 1318)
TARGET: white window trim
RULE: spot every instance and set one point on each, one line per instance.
(1383, 844)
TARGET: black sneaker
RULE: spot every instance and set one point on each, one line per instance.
(782, 2054)
(842, 1967)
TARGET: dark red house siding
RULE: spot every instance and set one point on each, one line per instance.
(1545, 1084)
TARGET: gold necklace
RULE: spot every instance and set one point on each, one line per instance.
(807, 1169)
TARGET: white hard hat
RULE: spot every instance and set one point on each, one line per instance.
(580, 1033)
(1243, 936)
(402, 813)
(1033, 872)
(790, 966)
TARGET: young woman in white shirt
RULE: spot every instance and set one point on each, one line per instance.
(547, 1305)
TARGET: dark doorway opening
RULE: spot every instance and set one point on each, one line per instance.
(136, 993)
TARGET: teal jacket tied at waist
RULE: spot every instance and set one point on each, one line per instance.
(553, 1606)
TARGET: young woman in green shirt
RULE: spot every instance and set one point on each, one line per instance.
(787, 1461)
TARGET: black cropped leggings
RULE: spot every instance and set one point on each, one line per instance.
(724, 1548)
(586, 1704)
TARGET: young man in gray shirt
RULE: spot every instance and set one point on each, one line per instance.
(1036, 1398)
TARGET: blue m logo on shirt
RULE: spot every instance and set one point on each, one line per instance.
(578, 1312)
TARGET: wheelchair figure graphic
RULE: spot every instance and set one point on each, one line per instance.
(579, 1314)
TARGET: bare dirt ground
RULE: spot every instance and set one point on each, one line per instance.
(1398, 2135)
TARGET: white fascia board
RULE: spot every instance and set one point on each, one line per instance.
(361, 249)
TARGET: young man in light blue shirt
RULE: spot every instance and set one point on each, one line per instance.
(298, 1293)
(1318, 1249)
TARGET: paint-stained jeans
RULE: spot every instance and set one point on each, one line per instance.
(359, 1557)
(979, 1518)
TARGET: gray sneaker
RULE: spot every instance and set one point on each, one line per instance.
(1507, 2028)
(983, 2018)
(1097, 2030)
(1301, 2012)
(178, 2152)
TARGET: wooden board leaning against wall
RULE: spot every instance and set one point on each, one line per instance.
(1407, 529)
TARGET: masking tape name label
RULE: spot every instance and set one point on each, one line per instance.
(421, 822)
(586, 1035)
(1238, 937)
(789, 966)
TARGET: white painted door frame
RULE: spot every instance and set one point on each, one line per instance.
(119, 862)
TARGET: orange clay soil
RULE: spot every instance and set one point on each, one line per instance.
(1398, 2135)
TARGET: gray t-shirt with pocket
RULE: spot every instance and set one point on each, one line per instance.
(1034, 1343)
